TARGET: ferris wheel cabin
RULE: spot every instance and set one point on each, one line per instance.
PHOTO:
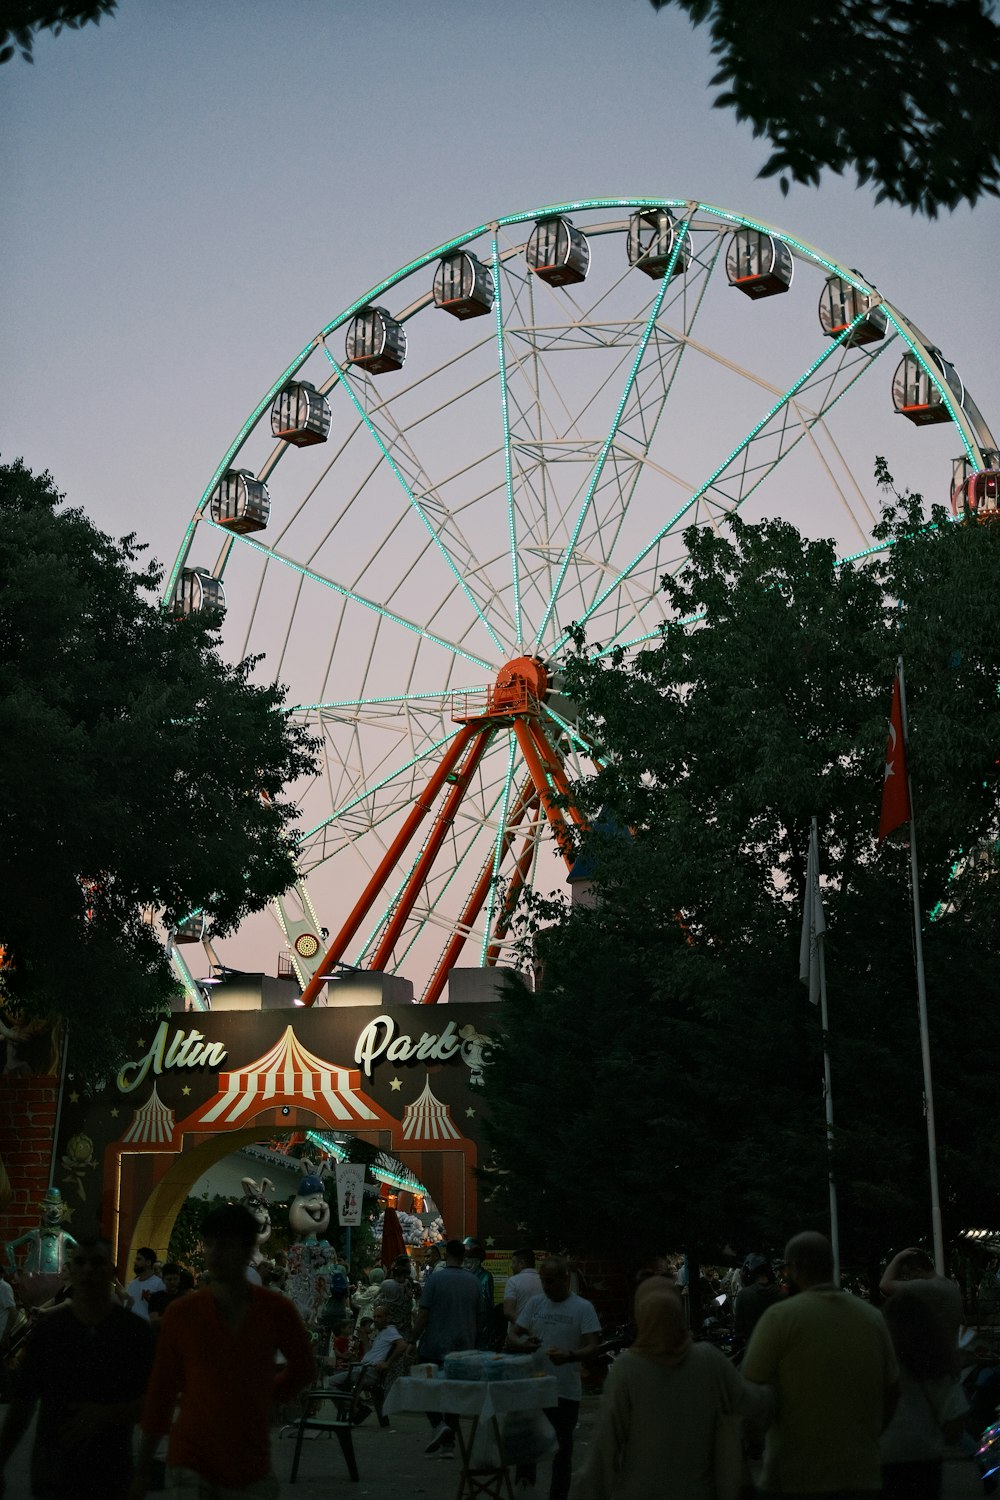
(757, 264)
(463, 286)
(557, 252)
(977, 493)
(192, 929)
(915, 395)
(300, 415)
(375, 342)
(840, 304)
(653, 234)
(240, 502)
(197, 592)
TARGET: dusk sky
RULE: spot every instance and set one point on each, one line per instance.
(191, 191)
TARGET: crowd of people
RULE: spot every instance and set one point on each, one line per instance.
(838, 1399)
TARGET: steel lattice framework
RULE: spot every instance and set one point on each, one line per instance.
(523, 471)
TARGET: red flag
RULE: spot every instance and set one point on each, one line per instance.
(896, 787)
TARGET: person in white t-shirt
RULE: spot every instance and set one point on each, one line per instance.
(562, 1329)
(386, 1347)
(144, 1283)
(522, 1285)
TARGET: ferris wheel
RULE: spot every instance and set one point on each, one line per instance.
(507, 436)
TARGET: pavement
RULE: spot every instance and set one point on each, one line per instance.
(392, 1464)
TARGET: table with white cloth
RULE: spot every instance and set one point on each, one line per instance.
(482, 1402)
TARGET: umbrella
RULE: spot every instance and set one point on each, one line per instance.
(392, 1238)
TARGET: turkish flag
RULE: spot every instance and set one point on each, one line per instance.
(896, 787)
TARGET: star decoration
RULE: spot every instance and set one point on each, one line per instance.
(396, 1085)
(140, 1041)
(74, 1097)
(469, 1112)
(490, 1242)
(114, 1114)
(186, 1089)
(521, 1226)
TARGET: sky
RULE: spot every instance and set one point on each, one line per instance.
(191, 191)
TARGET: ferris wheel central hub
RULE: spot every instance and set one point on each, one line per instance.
(519, 688)
(520, 685)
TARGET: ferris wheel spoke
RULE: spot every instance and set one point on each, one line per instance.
(360, 599)
(508, 469)
(652, 400)
(414, 502)
(735, 464)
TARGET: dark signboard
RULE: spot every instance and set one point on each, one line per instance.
(408, 1079)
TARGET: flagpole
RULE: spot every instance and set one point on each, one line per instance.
(925, 1045)
(819, 969)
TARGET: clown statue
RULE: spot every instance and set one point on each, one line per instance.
(255, 1198)
(44, 1266)
(312, 1259)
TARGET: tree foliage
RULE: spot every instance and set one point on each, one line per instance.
(905, 94)
(137, 770)
(663, 1086)
(21, 20)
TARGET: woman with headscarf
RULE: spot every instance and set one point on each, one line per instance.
(931, 1403)
(656, 1429)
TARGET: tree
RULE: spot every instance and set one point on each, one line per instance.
(21, 20)
(904, 94)
(137, 770)
(685, 1108)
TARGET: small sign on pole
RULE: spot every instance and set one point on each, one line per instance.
(350, 1191)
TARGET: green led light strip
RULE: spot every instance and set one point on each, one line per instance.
(606, 445)
(440, 696)
(355, 598)
(508, 471)
(377, 786)
(741, 446)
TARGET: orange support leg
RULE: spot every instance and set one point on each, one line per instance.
(422, 868)
(526, 798)
(367, 899)
(538, 775)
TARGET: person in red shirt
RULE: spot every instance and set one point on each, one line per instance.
(217, 1352)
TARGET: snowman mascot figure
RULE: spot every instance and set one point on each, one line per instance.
(312, 1259)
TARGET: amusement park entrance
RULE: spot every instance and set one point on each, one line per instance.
(205, 1085)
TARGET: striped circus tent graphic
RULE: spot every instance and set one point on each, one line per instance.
(427, 1119)
(153, 1124)
(290, 1074)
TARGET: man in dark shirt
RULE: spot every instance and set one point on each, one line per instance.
(758, 1292)
(160, 1301)
(87, 1364)
(445, 1321)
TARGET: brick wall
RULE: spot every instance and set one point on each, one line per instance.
(27, 1123)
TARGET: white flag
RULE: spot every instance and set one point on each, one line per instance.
(813, 921)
